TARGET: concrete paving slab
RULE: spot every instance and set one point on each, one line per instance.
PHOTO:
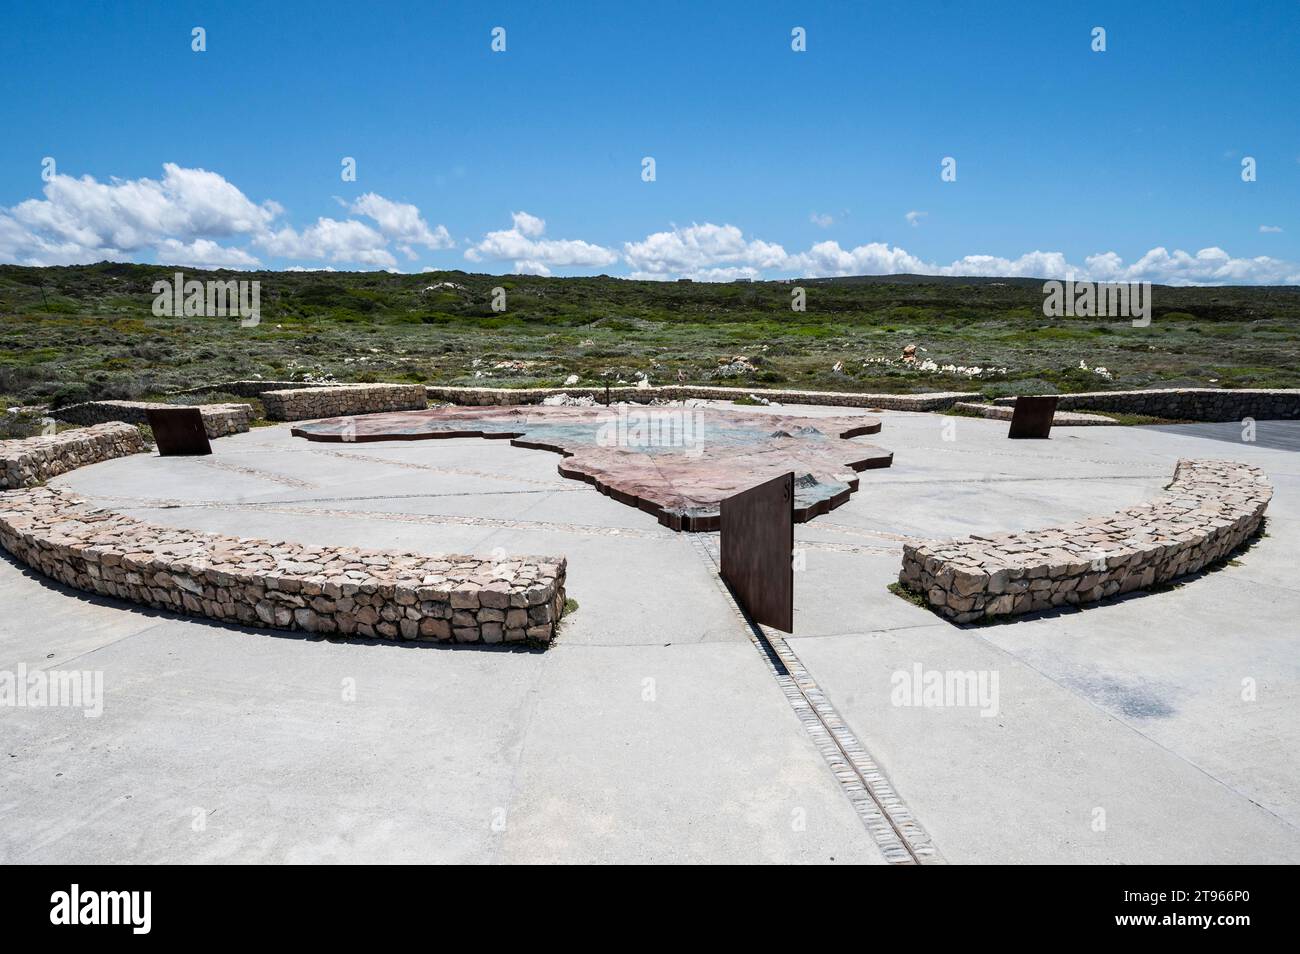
(1281, 435)
(251, 735)
(607, 773)
(633, 590)
(1220, 695)
(1031, 783)
(47, 624)
(443, 755)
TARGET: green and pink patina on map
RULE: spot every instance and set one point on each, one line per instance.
(678, 463)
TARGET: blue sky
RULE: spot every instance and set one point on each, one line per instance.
(769, 163)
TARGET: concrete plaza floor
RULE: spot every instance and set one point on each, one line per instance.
(653, 730)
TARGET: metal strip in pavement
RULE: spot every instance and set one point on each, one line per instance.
(878, 805)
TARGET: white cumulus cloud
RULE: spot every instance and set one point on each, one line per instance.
(533, 255)
(401, 222)
(700, 251)
(826, 259)
(84, 220)
(196, 217)
(711, 252)
(203, 253)
(528, 225)
(331, 240)
(1209, 266)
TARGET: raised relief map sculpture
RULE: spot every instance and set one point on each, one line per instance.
(678, 463)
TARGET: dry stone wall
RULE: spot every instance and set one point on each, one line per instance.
(1210, 508)
(372, 593)
(219, 420)
(34, 460)
(1188, 404)
(509, 396)
(997, 412)
(1192, 404)
(302, 404)
(252, 387)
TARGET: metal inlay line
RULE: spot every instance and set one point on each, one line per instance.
(878, 805)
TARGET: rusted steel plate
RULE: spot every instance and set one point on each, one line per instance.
(178, 431)
(1033, 416)
(757, 546)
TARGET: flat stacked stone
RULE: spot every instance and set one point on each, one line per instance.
(219, 420)
(1192, 404)
(251, 387)
(302, 404)
(385, 594)
(1188, 404)
(34, 460)
(996, 412)
(479, 397)
(1210, 509)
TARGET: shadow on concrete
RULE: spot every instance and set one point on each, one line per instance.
(1278, 435)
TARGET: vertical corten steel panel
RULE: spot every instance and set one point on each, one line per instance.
(757, 545)
(178, 431)
(1032, 416)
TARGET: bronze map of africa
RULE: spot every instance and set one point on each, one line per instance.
(677, 463)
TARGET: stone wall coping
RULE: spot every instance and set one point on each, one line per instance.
(219, 420)
(148, 405)
(998, 412)
(1220, 403)
(1085, 395)
(931, 400)
(1192, 404)
(333, 389)
(257, 384)
(300, 404)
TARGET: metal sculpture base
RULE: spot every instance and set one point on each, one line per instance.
(1032, 417)
(179, 431)
(757, 547)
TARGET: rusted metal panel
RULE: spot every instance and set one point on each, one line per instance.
(179, 431)
(1032, 417)
(757, 546)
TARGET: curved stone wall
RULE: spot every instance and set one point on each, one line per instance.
(998, 412)
(1210, 509)
(302, 404)
(1188, 404)
(373, 593)
(219, 420)
(253, 387)
(503, 397)
(1192, 404)
(479, 397)
(34, 460)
